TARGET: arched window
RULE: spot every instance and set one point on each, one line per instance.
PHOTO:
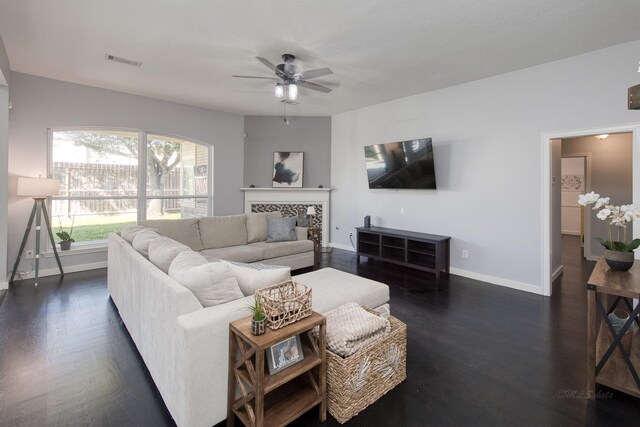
(112, 178)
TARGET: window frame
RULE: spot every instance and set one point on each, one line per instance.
(141, 198)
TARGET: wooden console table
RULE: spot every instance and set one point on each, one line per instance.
(278, 399)
(428, 252)
(606, 291)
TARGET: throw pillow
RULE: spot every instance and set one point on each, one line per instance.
(130, 231)
(163, 250)
(257, 225)
(281, 229)
(252, 277)
(142, 240)
(211, 282)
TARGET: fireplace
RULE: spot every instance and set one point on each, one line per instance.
(291, 202)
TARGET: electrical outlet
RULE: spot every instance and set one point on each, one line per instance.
(465, 254)
(29, 253)
(402, 210)
(350, 234)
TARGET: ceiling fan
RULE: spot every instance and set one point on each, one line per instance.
(288, 77)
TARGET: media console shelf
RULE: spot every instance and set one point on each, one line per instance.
(428, 252)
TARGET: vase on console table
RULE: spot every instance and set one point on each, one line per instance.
(619, 261)
(618, 250)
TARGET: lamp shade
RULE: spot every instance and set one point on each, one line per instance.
(38, 187)
(311, 210)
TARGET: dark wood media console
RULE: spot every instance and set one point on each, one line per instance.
(428, 252)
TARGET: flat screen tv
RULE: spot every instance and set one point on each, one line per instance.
(406, 164)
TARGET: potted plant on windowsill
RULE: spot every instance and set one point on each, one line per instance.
(618, 253)
(65, 237)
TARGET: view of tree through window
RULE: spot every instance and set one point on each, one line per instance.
(99, 178)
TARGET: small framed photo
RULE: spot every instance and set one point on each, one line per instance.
(284, 354)
(287, 169)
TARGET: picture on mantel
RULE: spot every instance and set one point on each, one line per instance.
(287, 169)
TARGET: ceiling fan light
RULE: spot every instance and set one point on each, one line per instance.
(279, 90)
(292, 92)
(603, 136)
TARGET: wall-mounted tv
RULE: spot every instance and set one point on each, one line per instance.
(406, 164)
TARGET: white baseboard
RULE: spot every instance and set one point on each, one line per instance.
(513, 284)
(476, 276)
(592, 258)
(69, 269)
(341, 246)
(557, 273)
(4, 285)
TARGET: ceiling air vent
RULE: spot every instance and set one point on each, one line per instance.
(122, 60)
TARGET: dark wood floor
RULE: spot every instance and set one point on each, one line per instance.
(478, 354)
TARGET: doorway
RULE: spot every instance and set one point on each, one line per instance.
(551, 195)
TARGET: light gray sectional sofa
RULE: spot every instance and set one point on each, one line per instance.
(239, 238)
(185, 345)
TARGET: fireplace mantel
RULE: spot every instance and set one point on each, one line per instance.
(292, 196)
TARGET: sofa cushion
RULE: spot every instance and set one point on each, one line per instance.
(184, 231)
(257, 225)
(281, 229)
(130, 231)
(252, 277)
(242, 253)
(332, 288)
(142, 240)
(211, 282)
(278, 249)
(163, 250)
(222, 231)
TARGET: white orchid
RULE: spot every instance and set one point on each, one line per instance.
(619, 216)
(601, 202)
(587, 199)
(604, 214)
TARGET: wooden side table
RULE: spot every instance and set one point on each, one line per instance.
(609, 363)
(278, 399)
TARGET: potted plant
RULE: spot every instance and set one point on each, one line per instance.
(65, 237)
(258, 318)
(618, 252)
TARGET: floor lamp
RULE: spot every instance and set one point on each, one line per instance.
(38, 189)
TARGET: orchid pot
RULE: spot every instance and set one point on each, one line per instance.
(618, 249)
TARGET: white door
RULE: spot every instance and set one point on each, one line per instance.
(572, 185)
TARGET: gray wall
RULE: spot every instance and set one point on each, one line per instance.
(265, 134)
(40, 103)
(4, 148)
(488, 150)
(4, 65)
(611, 176)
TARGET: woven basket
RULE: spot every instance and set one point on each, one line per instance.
(355, 382)
(285, 303)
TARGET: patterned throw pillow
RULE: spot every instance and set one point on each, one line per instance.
(281, 229)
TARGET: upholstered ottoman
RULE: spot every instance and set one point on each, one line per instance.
(332, 288)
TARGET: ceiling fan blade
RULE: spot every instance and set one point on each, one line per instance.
(313, 86)
(254, 77)
(267, 63)
(312, 74)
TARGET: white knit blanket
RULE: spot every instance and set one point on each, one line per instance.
(350, 328)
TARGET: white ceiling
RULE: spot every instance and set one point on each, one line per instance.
(378, 50)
